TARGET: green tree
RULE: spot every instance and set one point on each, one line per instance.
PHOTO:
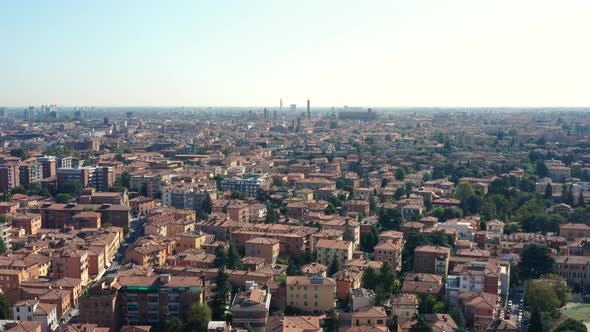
(421, 325)
(4, 218)
(234, 260)
(463, 191)
(535, 324)
(220, 260)
(571, 325)
(272, 216)
(20, 153)
(331, 323)
(541, 297)
(581, 200)
(172, 324)
(390, 219)
(370, 278)
(71, 187)
(548, 191)
(535, 261)
(63, 198)
(207, 204)
(198, 317)
(400, 174)
(3, 247)
(5, 310)
(222, 292)
(334, 267)
(125, 179)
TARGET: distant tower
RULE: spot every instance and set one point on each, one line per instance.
(275, 115)
(2, 112)
(293, 125)
(298, 128)
(265, 114)
(281, 105)
(293, 107)
(308, 111)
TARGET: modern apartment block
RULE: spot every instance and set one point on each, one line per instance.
(432, 259)
(247, 185)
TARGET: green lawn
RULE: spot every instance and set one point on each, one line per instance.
(579, 312)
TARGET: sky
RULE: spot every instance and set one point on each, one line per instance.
(254, 52)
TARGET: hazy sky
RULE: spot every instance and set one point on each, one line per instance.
(249, 52)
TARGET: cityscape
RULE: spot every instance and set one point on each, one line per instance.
(326, 166)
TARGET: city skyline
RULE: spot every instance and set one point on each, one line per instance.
(387, 53)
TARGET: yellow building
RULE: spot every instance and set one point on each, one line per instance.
(311, 294)
(328, 250)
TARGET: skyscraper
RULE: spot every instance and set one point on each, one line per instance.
(308, 111)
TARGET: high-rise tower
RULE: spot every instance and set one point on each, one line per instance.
(308, 111)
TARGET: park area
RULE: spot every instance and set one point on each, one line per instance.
(578, 311)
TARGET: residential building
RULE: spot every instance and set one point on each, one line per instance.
(33, 310)
(311, 294)
(251, 307)
(328, 250)
(389, 252)
(404, 306)
(266, 248)
(432, 259)
(247, 185)
(71, 263)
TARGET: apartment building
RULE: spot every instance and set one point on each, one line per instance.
(266, 248)
(311, 294)
(251, 308)
(247, 185)
(150, 300)
(432, 259)
(33, 310)
(389, 252)
(70, 263)
(9, 176)
(574, 269)
(329, 250)
(30, 222)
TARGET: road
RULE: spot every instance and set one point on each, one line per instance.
(136, 230)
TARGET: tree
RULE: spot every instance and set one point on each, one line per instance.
(222, 293)
(400, 174)
(20, 153)
(125, 179)
(535, 261)
(571, 325)
(581, 200)
(390, 219)
(220, 260)
(63, 198)
(548, 192)
(3, 247)
(234, 261)
(331, 323)
(421, 325)
(71, 187)
(173, 324)
(334, 267)
(198, 318)
(535, 324)
(5, 311)
(370, 278)
(463, 191)
(541, 297)
(207, 204)
(272, 216)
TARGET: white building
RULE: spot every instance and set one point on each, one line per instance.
(33, 310)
